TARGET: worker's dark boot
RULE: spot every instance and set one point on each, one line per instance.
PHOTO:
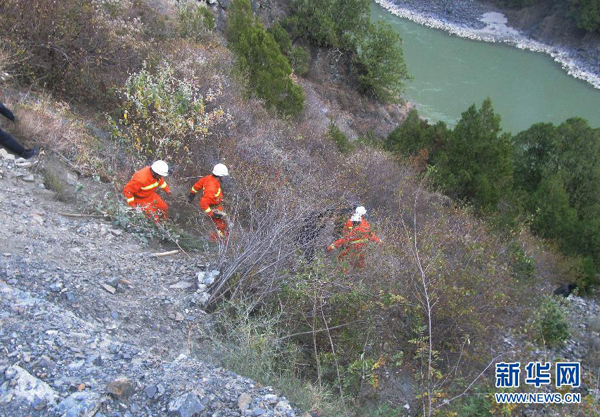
(30, 153)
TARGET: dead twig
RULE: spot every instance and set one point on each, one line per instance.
(98, 216)
(163, 254)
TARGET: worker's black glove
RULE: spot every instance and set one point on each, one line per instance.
(191, 197)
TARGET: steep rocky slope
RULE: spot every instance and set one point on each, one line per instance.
(92, 324)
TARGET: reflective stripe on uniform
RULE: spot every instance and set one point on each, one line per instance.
(164, 185)
(151, 186)
(354, 242)
(218, 192)
(130, 199)
(194, 190)
(208, 210)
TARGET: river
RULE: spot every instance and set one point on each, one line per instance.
(452, 73)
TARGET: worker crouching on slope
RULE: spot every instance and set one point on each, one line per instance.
(212, 197)
(140, 191)
(356, 234)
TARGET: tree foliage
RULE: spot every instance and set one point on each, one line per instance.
(559, 168)
(476, 163)
(416, 134)
(380, 63)
(375, 50)
(298, 56)
(269, 71)
(334, 23)
(587, 14)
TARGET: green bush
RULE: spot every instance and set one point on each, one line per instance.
(269, 72)
(522, 265)
(164, 116)
(339, 138)
(551, 324)
(300, 60)
(194, 20)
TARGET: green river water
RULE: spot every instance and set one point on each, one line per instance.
(452, 73)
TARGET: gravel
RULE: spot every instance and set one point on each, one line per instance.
(93, 325)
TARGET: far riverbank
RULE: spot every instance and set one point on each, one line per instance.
(472, 20)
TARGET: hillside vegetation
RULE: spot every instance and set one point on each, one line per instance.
(113, 85)
(585, 13)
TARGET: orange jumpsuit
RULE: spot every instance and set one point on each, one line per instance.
(141, 191)
(353, 240)
(212, 196)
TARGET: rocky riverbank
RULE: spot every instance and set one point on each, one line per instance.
(473, 20)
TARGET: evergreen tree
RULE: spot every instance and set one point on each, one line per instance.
(380, 62)
(477, 162)
(259, 54)
(416, 134)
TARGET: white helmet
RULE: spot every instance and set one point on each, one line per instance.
(358, 213)
(161, 168)
(220, 170)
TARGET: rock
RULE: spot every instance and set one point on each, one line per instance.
(151, 391)
(178, 317)
(74, 366)
(181, 285)
(187, 405)
(95, 359)
(23, 163)
(28, 178)
(270, 398)
(25, 387)
(71, 178)
(121, 387)
(3, 153)
(207, 277)
(202, 288)
(83, 403)
(244, 401)
(38, 219)
(283, 407)
(116, 232)
(69, 296)
(224, 4)
(203, 298)
(38, 404)
(109, 288)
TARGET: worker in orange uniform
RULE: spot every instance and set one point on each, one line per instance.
(212, 197)
(356, 234)
(140, 191)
